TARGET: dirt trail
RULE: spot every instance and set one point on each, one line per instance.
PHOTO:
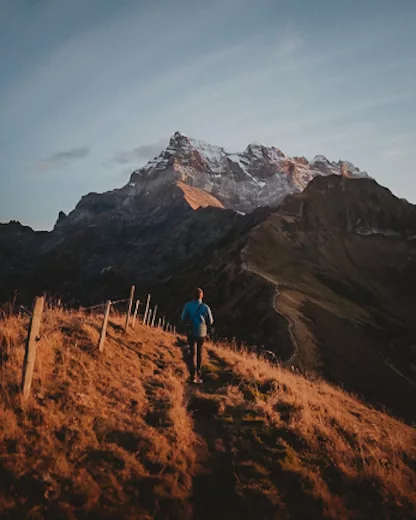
(306, 355)
(235, 448)
(288, 303)
(214, 481)
(237, 472)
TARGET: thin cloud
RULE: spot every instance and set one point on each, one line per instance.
(399, 151)
(289, 43)
(139, 154)
(348, 109)
(63, 157)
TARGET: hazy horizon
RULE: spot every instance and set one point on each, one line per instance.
(90, 90)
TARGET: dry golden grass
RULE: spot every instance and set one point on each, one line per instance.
(122, 435)
(101, 435)
(352, 458)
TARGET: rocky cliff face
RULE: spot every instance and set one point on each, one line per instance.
(259, 176)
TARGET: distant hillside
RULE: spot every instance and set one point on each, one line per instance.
(122, 435)
(342, 256)
(109, 237)
(327, 282)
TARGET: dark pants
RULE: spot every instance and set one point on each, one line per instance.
(195, 345)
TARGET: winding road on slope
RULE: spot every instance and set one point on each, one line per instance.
(287, 305)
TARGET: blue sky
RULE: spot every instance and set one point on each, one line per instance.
(91, 89)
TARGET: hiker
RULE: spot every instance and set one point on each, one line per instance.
(198, 315)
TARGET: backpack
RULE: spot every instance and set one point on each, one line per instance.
(192, 325)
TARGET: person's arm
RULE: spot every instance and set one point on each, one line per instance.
(184, 313)
(209, 316)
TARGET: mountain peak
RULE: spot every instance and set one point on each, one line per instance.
(320, 159)
(259, 176)
(259, 150)
(179, 134)
(178, 139)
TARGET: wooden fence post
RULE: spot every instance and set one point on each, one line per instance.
(151, 314)
(174, 331)
(154, 316)
(135, 313)
(149, 317)
(129, 309)
(163, 323)
(159, 323)
(30, 356)
(104, 327)
(146, 312)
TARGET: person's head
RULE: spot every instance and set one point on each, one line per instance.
(198, 294)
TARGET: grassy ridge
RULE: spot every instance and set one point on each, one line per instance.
(123, 435)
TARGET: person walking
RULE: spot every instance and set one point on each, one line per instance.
(198, 316)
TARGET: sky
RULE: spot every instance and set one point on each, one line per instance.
(92, 89)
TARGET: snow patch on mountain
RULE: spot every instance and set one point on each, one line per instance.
(258, 176)
(369, 231)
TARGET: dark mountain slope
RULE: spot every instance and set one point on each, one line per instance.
(243, 301)
(19, 247)
(112, 245)
(343, 256)
(327, 282)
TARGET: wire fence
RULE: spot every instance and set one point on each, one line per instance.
(136, 312)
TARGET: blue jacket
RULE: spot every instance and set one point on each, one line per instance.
(199, 315)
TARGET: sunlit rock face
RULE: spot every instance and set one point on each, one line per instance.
(259, 176)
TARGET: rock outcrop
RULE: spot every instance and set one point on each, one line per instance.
(259, 176)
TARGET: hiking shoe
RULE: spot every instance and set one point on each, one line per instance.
(200, 380)
(195, 379)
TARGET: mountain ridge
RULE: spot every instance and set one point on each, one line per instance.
(259, 176)
(262, 175)
(121, 434)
